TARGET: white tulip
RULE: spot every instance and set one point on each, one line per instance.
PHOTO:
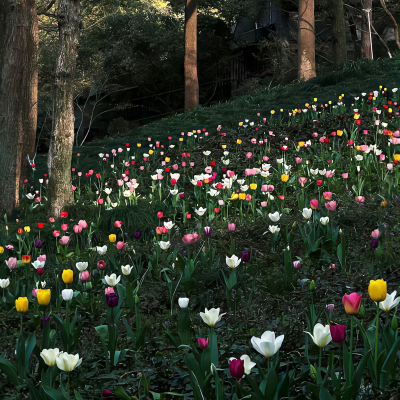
(267, 345)
(244, 188)
(174, 192)
(248, 364)
(314, 171)
(390, 302)
(126, 269)
(68, 362)
(183, 302)
(175, 176)
(108, 191)
(206, 153)
(81, 266)
(275, 217)
(67, 294)
(49, 356)
(359, 157)
(211, 317)
(112, 280)
(274, 229)
(324, 220)
(30, 196)
(4, 283)
(279, 160)
(322, 335)
(164, 245)
(233, 262)
(322, 171)
(101, 250)
(38, 264)
(169, 225)
(213, 192)
(307, 213)
(200, 211)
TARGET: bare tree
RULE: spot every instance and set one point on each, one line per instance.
(338, 27)
(366, 35)
(306, 41)
(62, 137)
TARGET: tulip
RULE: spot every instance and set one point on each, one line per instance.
(4, 283)
(44, 321)
(112, 238)
(164, 245)
(190, 238)
(275, 217)
(351, 303)
(121, 245)
(374, 244)
(231, 227)
(68, 362)
(21, 304)
(314, 204)
(126, 269)
(112, 299)
(49, 356)
(64, 240)
(38, 244)
(236, 368)
(183, 302)
(67, 276)
(296, 264)
(107, 393)
(137, 235)
(321, 335)
(267, 345)
(338, 333)
(375, 234)
(324, 220)
(101, 265)
(101, 250)
(245, 256)
(112, 280)
(330, 307)
(377, 290)
(331, 205)
(233, 262)
(26, 259)
(390, 302)
(84, 276)
(44, 297)
(12, 263)
(81, 266)
(203, 343)
(211, 317)
(307, 213)
(302, 181)
(67, 294)
(207, 231)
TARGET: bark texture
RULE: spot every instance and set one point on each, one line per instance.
(62, 137)
(366, 45)
(17, 96)
(306, 41)
(191, 78)
(338, 28)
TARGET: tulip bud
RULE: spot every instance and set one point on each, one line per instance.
(361, 312)
(313, 373)
(395, 324)
(312, 285)
(330, 307)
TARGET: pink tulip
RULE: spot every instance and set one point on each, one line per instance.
(42, 257)
(221, 202)
(248, 197)
(203, 343)
(77, 229)
(314, 204)
(83, 224)
(253, 141)
(345, 175)
(249, 154)
(375, 234)
(389, 166)
(190, 238)
(377, 122)
(142, 167)
(329, 174)
(12, 263)
(120, 182)
(192, 164)
(208, 170)
(302, 181)
(382, 157)
(34, 292)
(231, 227)
(84, 276)
(364, 147)
(327, 195)
(175, 167)
(121, 245)
(365, 132)
(64, 240)
(64, 227)
(351, 303)
(331, 205)
(183, 163)
(315, 134)
(265, 158)
(360, 199)
(299, 160)
(109, 290)
(268, 188)
(264, 203)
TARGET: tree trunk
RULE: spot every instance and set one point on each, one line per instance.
(366, 44)
(396, 27)
(306, 41)
(62, 137)
(191, 79)
(15, 59)
(338, 28)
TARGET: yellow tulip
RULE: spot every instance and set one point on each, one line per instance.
(181, 139)
(396, 157)
(377, 290)
(139, 145)
(112, 238)
(1, 249)
(151, 152)
(238, 141)
(67, 276)
(242, 196)
(315, 99)
(390, 110)
(281, 109)
(44, 297)
(234, 196)
(253, 186)
(240, 123)
(272, 112)
(167, 159)
(224, 146)
(358, 148)
(21, 304)
(27, 229)
(301, 144)
(329, 102)
(356, 116)
(339, 132)
(284, 177)
(194, 131)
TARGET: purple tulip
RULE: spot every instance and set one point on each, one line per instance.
(207, 231)
(245, 256)
(107, 393)
(296, 264)
(137, 235)
(374, 244)
(38, 244)
(236, 368)
(44, 321)
(112, 300)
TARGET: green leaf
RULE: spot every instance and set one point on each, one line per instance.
(53, 394)
(324, 394)
(121, 394)
(77, 395)
(129, 295)
(7, 368)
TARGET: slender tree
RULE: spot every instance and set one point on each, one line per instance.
(306, 41)
(191, 79)
(62, 137)
(366, 32)
(18, 95)
(338, 28)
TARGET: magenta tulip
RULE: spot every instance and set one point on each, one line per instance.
(236, 368)
(338, 333)
(203, 343)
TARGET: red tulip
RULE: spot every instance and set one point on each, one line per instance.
(56, 233)
(100, 201)
(63, 214)
(40, 225)
(182, 195)
(64, 227)
(160, 214)
(236, 368)
(101, 264)
(338, 333)
(118, 224)
(20, 231)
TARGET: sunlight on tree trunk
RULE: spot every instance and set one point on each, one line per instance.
(191, 79)
(18, 96)
(306, 41)
(338, 28)
(366, 46)
(62, 137)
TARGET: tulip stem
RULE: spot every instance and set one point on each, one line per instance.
(351, 349)
(22, 316)
(320, 359)
(68, 390)
(377, 339)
